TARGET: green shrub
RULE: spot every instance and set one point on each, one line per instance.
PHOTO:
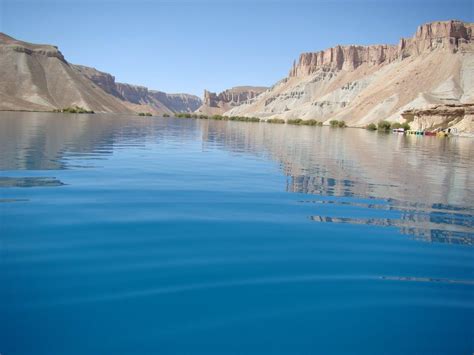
(275, 120)
(320, 124)
(371, 127)
(182, 115)
(203, 117)
(406, 126)
(295, 121)
(395, 125)
(244, 119)
(299, 121)
(383, 126)
(73, 109)
(310, 122)
(336, 123)
(253, 119)
(166, 115)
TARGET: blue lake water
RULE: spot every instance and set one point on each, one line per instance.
(130, 235)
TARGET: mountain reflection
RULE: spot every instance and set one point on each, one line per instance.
(424, 180)
(427, 181)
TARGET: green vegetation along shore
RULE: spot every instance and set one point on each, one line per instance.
(386, 126)
(73, 109)
(295, 121)
(382, 126)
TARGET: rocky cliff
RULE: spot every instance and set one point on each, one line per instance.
(177, 102)
(219, 103)
(446, 35)
(364, 84)
(153, 101)
(38, 77)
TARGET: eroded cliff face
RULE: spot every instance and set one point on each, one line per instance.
(343, 58)
(449, 35)
(140, 97)
(365, 84)
(177, 102)
(219, 103)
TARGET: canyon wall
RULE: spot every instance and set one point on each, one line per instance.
(365, 84)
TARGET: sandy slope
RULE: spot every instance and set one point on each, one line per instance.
(37, 77)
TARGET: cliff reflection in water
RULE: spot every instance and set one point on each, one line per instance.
(426, 182)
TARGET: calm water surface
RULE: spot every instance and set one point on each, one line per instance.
(128, 235)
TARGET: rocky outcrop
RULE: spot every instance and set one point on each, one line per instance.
(365, 84)
(9, 43)
(460, 118)
(38, 77)
(219, 103)
(451, 35)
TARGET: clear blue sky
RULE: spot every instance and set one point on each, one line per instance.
(187, 46)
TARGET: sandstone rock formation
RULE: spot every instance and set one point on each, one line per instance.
(457, 117)
(364, 84)
(219, 103)
(38, 77)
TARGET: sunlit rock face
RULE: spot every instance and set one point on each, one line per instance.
(457, 117)
(214, 103)
(366, 84)
(447, 35)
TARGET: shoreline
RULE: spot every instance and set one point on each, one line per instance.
(274, 121)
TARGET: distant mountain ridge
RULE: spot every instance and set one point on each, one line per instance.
(38, 77)
(157, 101)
